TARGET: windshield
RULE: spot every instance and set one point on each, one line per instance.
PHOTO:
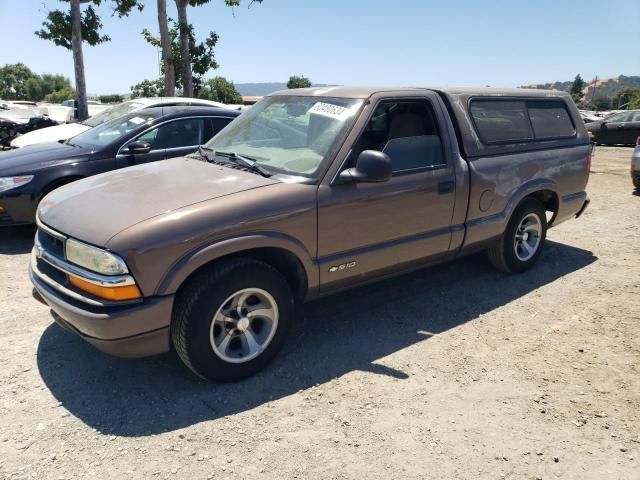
(289, 134)
(111, 113)
(104, 134)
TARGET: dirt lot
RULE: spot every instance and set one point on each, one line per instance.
(453, 372)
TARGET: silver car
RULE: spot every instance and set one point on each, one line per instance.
(635, 165)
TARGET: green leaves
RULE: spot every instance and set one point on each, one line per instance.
(18, 82)
(147, 88)
(57, 28)
(202, 53)
(219, 89)
(296, 81)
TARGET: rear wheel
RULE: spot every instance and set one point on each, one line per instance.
(636, 182)
(521, 243)
(230, 320)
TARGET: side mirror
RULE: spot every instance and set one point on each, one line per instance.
(372, 166)
(137, 147)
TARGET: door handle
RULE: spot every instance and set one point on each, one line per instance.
(445, 187)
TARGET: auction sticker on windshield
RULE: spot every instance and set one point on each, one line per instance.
(137, 120)
(330, 110)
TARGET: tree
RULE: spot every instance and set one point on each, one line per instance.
(147, 88)
(625, 96)
(601, 103)
(168, 65)
(185, 29)
(201, 55)
(576, 88)
(18, 82)
(219, 89)
(61, 95)
(70, 28)
(185, 60)
(13, 79)
(296, 81)
(113, 98)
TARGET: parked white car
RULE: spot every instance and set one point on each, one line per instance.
(64, 132)
(58, 113)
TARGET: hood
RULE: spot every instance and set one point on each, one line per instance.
(49, 134)
(35, 157)
(97, 208)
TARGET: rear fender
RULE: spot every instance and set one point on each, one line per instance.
(493, 226)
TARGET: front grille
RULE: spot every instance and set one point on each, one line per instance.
(52, 272)
(50, 243)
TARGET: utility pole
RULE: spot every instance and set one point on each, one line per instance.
(82, 110)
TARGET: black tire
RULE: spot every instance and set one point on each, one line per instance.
(636, 182)
(199, 300)
(503, 255)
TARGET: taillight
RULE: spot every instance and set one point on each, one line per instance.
(588, 164)
(638, 141)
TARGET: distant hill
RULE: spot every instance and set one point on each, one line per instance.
(604, 87)
(261, 89)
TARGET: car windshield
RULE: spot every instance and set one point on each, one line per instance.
(111, 113)
(289, 134)
(103, 135)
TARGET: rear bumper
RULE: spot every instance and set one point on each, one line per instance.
(571, 206)
(135, 330)
(586, 203)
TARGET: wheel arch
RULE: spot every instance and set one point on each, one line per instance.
(549, 199)
(544, 190)
(57, 183)
(288, 256)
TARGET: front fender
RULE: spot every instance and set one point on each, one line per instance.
(200, 257)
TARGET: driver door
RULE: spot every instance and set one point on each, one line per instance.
(367, 229)
(127, 159)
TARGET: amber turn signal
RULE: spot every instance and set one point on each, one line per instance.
(127, 292)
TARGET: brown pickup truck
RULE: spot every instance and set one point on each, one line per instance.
(309, 192)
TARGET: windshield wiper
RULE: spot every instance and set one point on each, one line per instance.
(202, 152)
(246, 162)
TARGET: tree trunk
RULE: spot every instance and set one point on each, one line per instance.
(187, 80)
(167, 55)
(78, 61)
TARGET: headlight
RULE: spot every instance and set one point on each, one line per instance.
(7, 183)
(94, 259)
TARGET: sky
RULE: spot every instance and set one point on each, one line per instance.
(356, 42)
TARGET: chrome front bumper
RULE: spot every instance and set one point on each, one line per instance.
(63, 268)
(131, 328)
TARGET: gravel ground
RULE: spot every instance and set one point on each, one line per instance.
(452, 372)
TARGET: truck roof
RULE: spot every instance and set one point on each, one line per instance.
(365, 92)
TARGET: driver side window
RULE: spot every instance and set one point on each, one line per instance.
(407, 131)
(174, 134)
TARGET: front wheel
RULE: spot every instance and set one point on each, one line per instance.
(521, 243)
(231, 319)
(636, 182)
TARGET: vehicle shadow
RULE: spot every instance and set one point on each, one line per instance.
(338, 335)
(17, 240)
